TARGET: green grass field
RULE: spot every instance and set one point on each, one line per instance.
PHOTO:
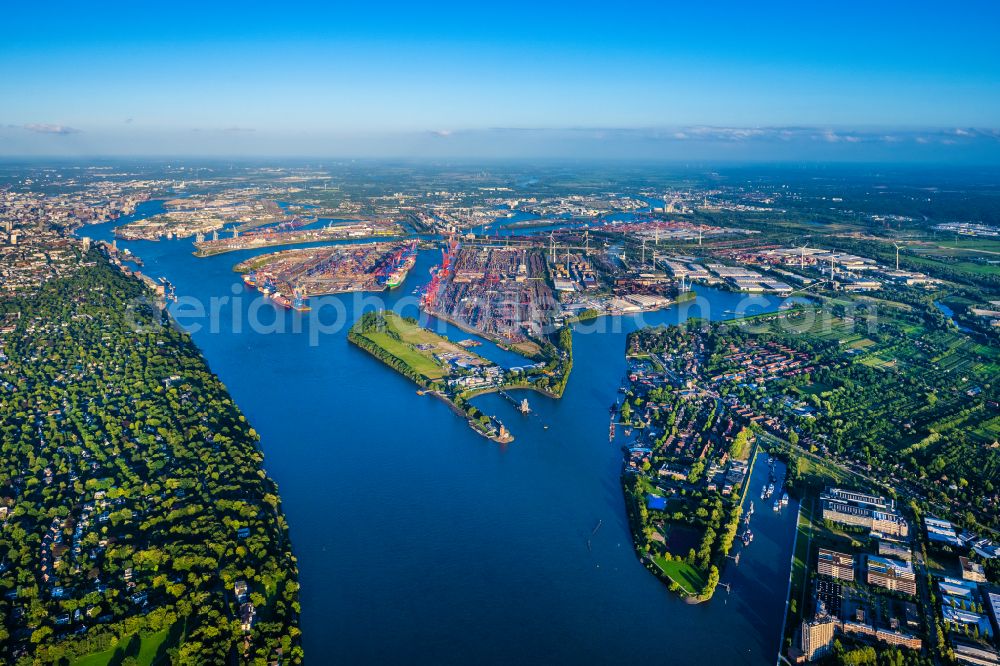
(800, 562)
(149, 646)
(691, 579)
(421, 361)
(402, 338)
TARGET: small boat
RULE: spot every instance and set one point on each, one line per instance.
(777, 505)
(784, 499)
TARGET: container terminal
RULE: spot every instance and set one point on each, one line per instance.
(328, 270)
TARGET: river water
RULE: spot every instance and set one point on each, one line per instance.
(418, 540)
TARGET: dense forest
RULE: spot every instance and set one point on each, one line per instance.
(135, 507)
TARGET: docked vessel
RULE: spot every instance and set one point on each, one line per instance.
(250, 279)
(397, 276)
(281, 299)
(394, 268)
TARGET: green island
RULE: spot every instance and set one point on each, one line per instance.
(138, 525)
(455, 374)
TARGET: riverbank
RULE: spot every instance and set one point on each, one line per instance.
(475, 425)
(419, 354)
(187, 501)
(561, 355)
(529, 349)
(327, 416)
(211, 248)
(591, 314)
(684, 489)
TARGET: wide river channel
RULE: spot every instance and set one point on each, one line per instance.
(419, 541)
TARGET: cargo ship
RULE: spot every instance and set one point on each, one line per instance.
(395, 266)
(281, 299)
(250, 279)
(397, 276)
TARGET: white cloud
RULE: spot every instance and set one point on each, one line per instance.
(47, 128)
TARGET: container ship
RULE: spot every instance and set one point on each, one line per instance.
(397, 276)
(250, 279)
(394, 268)
(281, 299)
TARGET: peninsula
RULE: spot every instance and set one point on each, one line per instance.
(445, 369)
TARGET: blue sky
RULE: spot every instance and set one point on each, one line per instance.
(873, 80)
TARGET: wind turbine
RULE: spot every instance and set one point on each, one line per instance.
(897, 246)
